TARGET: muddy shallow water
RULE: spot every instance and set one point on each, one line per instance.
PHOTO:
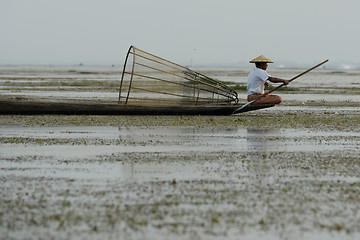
(164, 180)
(79, 141)
(289, 172)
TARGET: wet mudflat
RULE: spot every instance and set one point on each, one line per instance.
(176, 177)
(290, 172)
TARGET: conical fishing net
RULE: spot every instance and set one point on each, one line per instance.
(147, 78)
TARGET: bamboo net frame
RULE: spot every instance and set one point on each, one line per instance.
(147, 78)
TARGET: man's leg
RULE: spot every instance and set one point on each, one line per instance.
(268, 99)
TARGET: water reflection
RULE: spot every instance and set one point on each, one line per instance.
(182, 136)
(164, 171)
(157, 153)
(258, 139)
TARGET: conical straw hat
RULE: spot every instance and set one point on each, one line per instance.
(261, 58)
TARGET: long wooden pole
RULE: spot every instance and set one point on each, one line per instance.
(274, 89)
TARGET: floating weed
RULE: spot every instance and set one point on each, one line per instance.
(61, 224)
(215, 220)
(142, 223)
(330, 121)
(262, 222)
(66, 204)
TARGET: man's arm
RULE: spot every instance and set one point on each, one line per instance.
(278, 80)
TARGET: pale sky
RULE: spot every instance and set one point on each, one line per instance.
(201, 32)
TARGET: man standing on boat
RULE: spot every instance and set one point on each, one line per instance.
(257, 81)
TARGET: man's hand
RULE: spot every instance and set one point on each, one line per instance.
(286, 82)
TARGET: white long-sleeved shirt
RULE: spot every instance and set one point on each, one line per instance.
(256, 81)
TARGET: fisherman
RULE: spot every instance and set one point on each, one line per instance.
(257, 81)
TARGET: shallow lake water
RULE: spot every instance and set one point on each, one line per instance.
(63, 145)
(251, 176)
(233, 170)
(171, 139)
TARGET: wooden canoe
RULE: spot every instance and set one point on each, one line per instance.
(90, 107)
